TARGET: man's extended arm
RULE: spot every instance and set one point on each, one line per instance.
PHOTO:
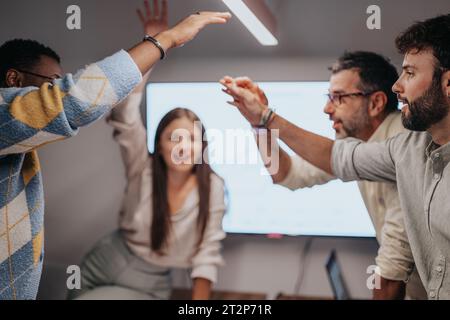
(347, 159)
(31, 117)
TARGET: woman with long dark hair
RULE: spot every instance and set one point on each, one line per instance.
(171, 215)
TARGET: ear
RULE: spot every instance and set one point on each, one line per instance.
(13, 78)
(377, 103)
(446, 83)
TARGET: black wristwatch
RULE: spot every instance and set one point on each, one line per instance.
(157, 44)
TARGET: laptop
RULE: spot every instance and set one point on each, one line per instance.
(336, 279)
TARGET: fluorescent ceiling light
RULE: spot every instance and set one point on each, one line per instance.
(251, 21)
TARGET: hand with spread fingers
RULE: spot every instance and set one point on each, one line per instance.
(250, 100)
(247, 83)
(154, 20)
(187, 29)
(177, 36)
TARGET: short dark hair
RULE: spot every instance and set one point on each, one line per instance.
(22, 54)
(376, 72)
(431, 34)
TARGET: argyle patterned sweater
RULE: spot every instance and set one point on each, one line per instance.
(29, 118)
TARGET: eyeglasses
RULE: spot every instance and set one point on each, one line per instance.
(39, 75)
(336, 98)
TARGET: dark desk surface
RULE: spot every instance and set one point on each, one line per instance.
(185, 294)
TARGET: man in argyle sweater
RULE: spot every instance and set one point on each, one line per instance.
(31, 117)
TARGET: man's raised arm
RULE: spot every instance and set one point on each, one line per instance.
(311, 147)
(31, 117)
(348, 159)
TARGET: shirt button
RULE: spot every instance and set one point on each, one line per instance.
(439, 269)
(436, 175)
(437, 155)
(432, 294)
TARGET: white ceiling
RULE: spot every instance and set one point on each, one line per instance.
(319, 28)
(315, 27)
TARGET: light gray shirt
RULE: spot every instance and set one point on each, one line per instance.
(423, 180)
(394, 259)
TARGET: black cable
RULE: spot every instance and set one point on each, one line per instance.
(303, 264)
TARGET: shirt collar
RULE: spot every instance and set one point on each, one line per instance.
(434, 151)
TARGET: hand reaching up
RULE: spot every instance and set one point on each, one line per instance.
(247, 97)
(154, 20)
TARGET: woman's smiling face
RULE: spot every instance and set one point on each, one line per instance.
(181, 144)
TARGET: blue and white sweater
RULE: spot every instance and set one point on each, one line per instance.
(29, 118)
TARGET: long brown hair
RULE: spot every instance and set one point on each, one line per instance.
(161, 223)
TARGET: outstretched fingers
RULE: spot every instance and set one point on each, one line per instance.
(214, 17)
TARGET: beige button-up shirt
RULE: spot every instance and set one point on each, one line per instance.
(394, 257)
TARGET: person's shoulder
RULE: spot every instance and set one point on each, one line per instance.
(409, 143)
(218, 186)
(218, 194)
(395, 125)
(217, 181)
(417, 138)
(150, 165)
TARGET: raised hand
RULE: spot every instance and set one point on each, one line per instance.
(156, 20)
(247, 83)
(188, 28)
(177, 36)
(247, 97)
